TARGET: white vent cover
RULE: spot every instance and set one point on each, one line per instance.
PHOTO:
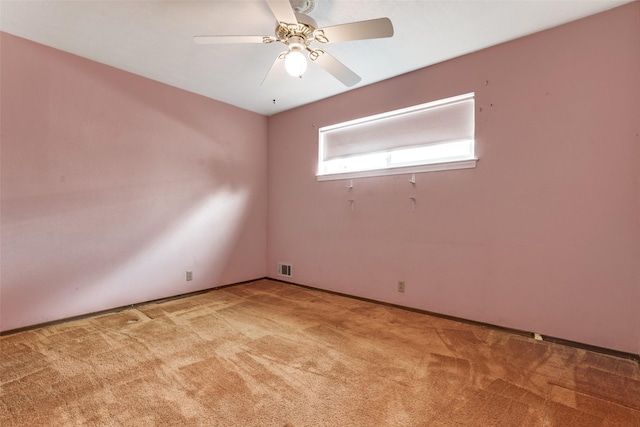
(285, 270)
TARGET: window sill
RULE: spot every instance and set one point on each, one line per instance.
(458, 164)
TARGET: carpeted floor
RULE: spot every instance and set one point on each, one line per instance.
(272, 354)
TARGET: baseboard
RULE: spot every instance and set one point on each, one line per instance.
(121, 308)
(555, 340)
(561, 341)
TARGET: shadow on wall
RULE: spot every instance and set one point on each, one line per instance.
(114, 185)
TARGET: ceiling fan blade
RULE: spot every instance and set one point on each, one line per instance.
(283, 11)
(336, 68)
(361, 30)
(231, 39)
(277, 64)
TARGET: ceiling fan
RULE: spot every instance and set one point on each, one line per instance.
(297, 31)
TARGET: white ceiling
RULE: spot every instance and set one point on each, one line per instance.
(154, 39)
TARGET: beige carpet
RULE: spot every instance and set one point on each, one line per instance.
(272, 354)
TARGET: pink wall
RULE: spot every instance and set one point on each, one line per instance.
(544, 235)
(114, 185)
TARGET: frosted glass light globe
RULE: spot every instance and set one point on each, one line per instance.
(295, 63)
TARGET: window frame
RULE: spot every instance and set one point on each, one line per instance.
(467, 160)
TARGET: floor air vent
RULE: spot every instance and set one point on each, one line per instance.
(284, 270)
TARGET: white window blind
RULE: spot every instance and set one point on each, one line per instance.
(442, 131)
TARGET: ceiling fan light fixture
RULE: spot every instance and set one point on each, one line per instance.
(294, 62)
(297, 30)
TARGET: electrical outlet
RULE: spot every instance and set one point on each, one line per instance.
(189, 276)
(401, 286)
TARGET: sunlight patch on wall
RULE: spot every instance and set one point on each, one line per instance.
(201, 241)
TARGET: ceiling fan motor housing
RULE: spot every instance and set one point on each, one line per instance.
(303, 6)
(302, 32)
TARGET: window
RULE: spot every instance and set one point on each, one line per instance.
(438, 135)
